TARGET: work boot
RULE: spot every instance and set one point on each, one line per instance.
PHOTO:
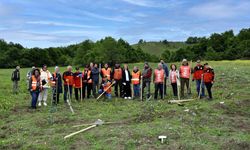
(39, 104)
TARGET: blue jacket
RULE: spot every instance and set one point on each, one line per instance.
(95, 74)
(165, 67)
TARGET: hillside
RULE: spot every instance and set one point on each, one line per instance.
(157, 48)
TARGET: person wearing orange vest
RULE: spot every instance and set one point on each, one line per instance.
(77, 83)
(106, 72)
(126, 81)
(68, 78)
(57, 79)
(34, 87)
(185, 73)
(45, 79)
(106, 87)
(158, 80)
(174, 77)
(117, 76)
(87, 81)
(136, 78)
(197, 75)
(208, 79)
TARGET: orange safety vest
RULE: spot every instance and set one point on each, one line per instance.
(185, 72)
(159, 76)
(105, 87)
(33, 83)
(173, 76)
(106, 72)
(88, 76)
(136, 77)
(117, 74)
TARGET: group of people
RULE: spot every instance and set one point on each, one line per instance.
(86, 83)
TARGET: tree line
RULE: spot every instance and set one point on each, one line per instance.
(223, 46)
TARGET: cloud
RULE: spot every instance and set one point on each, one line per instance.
(220, 9)
(51, 23)
(155, 3)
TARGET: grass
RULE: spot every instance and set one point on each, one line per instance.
(158, 48)
(207, 125)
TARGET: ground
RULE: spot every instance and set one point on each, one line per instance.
(207, 124)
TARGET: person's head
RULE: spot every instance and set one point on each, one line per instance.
(17, 67)
(44, 67)
(146, 65)
(56, 69)
(96, 65)
(106, 65)
(33, 68)
(198, 62)
(159, 66)
(91, 65)
(173, 67)
(117, 65)
(162, 62)
(206, 65)
(135, 68)
(125, 66)
(77, 69)
(69, 68)
(36, 72)
(184, 62)
(87, 67)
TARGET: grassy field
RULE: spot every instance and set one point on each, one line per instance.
(158, 48)
(207, 124)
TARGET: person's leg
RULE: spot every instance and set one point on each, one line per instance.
(83, 90)
(65, 94)
(148, 89)
(33, 98)
(165, 86)
(156, 91)
(94, 88)
(45, 96)
(182, 87)
(202, 89)
(76, 93)
(175, 89)
(70, 91)
(198, 82)
(17, 86)
(40, 97)
(143, 88)
(126, 90)
(58, 96)
(129, 89)
(187, 85)
(120, 88)
(116, 88)
(89, 87)
(161, 89)
(209, 87)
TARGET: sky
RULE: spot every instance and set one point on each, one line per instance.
(50, 23)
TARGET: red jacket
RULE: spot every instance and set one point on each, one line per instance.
(68, 78)
(198, 71)
(208, 75)
(77, 79)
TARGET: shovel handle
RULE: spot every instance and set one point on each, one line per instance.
(85, 129)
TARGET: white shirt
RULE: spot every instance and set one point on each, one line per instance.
(44, 76)
(127, 75)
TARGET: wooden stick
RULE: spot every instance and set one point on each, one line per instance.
(105, 90)
(141, 87)
(85, 129)
(180, 101)
(68, 100)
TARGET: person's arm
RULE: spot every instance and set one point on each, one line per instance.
(101, 73)
(166, 71)
(153, 77)
(18, 76)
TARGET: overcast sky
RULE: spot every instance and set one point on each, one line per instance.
(45, 23)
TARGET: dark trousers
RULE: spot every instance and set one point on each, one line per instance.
(198, 85)
(158, 87)
(146, 84)
(184, 81)
(165, 86)
(77, 93)
(86, 87)
(34, 95)
(209, 87)
(66, 90)
(127, 89)
(136, 88)
(174, 87)
(95, 87)
(118, 83)
(56, 96)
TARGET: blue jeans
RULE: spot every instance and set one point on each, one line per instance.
(34, 95)
(66, 92)
(136, 90)
(198, 83)
(108, 96)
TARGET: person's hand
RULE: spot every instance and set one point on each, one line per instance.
(212, 82)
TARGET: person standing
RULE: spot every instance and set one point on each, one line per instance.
(68, 78)
(136, 78)
(87, 82)
(185, 71)
(106, 72)
(95, 76)
(57, 79)
(15, 77)
(29, 75)
(117, 75)
(174, 77)
(45, 79)
(34, 87)
(146, 79)
(209, 80)
(158, 80)
(77, 84)
(197, 76)
(166, 73)
(126, 81)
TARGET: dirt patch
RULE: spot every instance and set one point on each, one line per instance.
(235, 145)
